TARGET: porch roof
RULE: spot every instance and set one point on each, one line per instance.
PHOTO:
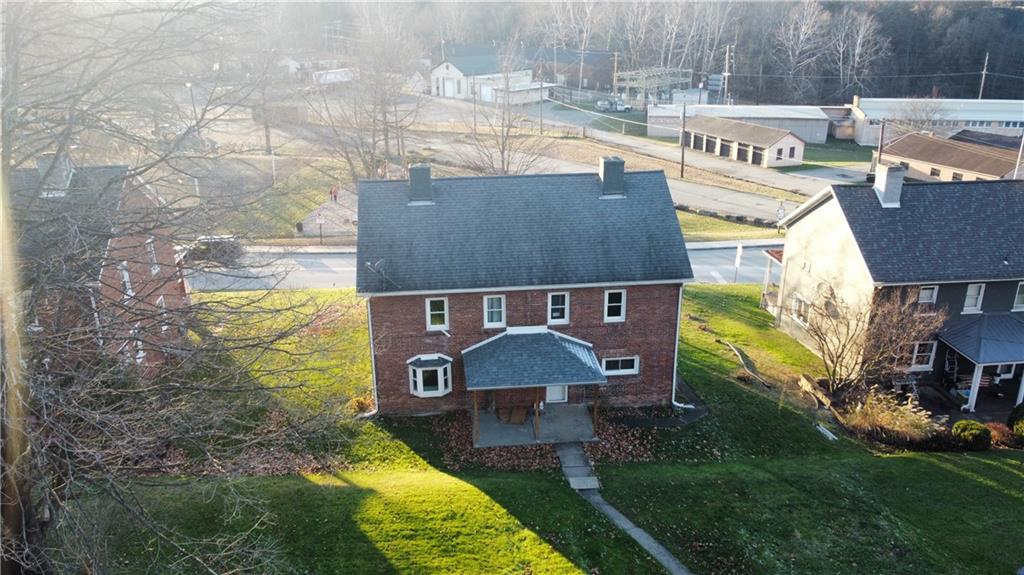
(987, 338)
(531, 357)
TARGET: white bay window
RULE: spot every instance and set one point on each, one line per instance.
(430, 375)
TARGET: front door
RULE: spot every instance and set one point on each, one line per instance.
(557, 393)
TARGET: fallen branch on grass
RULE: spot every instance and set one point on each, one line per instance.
(748, 366)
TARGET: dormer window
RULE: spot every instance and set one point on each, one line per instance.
(437, 314)
(975, 295)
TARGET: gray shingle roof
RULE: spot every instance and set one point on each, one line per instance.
(987, 338)
(948, 231)
(518, 231)
(735, 130)
(988, 160)
(531, 360)
(477, 65)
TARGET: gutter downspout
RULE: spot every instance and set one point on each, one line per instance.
(675, 363)
(373, 365)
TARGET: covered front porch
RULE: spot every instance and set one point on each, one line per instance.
(531, 386)
(983, 364)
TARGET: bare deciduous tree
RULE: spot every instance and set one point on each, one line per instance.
(865, 345)
(802, 42)
(856, 48)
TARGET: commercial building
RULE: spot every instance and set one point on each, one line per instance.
(942, 116)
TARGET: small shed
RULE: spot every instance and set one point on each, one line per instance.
(744, 142)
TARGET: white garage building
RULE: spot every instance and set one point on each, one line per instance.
(744, 142)
(809, 123)
(460, 77)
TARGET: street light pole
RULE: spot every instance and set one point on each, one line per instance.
(682, 145)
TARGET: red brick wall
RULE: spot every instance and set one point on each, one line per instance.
(117, 314)
(399, 333)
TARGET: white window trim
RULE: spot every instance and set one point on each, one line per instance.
(634, 371)
(1008, 375)
(1017, 294)
(565, 320)
(501, 323)
(792, 309)
(426, 307)
(154, 267)
(126, 281)
(444, 386)
(981, 299)
(614, 319)
(935, 294)
(931, 356)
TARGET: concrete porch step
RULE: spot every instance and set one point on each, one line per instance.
(580, 483)
(577, 470)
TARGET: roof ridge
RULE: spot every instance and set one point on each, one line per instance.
(508, 176)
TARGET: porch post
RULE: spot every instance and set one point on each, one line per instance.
(536, 415)
(1020, 392)
(975, 386)
(476, 417)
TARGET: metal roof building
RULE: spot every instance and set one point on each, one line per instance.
(809, 123)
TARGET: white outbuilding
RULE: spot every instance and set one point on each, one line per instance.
(483, 77)
(744, 142)
(809, 123)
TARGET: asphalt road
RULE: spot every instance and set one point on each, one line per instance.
(338, 270)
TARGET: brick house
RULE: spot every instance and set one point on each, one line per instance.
(521, 291)
(951, 245)
(92, 246)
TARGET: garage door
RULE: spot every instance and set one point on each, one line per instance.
(757, 157)
(449, 88)
(486, 93)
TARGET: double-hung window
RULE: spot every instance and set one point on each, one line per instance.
(430, 375)
(614, 306)
(621, 365)
(494, 311)
(923, 355)
(558, 308)
(437, 314)
(975, 295)
(1018, 300)
(926, 298)
(799, 310)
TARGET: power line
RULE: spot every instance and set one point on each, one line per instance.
(937, 74)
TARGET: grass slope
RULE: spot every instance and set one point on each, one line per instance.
(698, 228)
(753, 488)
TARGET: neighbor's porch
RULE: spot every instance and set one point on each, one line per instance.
(982, 366)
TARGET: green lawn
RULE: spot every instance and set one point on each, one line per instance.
(698, 228)
(837, 153)
(751, 488)
(273, 212)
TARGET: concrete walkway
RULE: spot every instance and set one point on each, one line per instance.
(577, 469)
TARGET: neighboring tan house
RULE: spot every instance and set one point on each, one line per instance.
(521, 294)
(955, 245)
(91, 238)
(929, 158)
(744, 142)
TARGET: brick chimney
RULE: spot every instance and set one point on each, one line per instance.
(420, 187)
(889, 184)
(613, 176)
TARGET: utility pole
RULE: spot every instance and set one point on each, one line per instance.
(725, 75)
(615, 74)
(1020, 152)
(881, 143)
(984, 72)
(682, 145)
